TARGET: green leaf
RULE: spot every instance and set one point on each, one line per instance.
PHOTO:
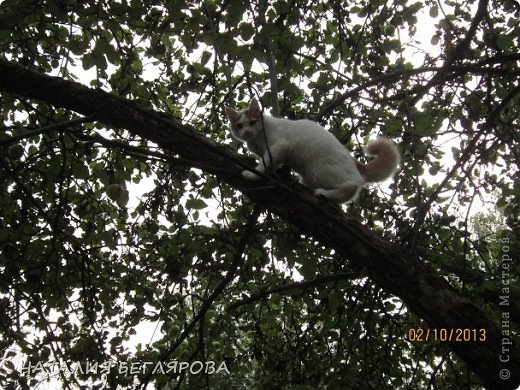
(389, 307)
(36, 248)
(246, 31)
(206, 56)
(88, 61)
(505, 42)
(308, 268)
(423, 123)
(123, 198)
(4, 234)
(80, 170)
(196, 204)
(393, 126)
(235, 12)
(501, 202)
(334, 301)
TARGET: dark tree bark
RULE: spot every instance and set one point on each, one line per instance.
(426, 293)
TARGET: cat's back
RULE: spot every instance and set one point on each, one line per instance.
(312, 135)
(313, 152)
(304, 136)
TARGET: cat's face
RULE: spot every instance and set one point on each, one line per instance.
(245, 124)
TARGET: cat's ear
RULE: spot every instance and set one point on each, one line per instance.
(231, 114)
(254, 109)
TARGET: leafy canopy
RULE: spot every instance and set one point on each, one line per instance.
(102, 231)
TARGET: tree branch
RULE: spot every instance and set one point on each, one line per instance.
(230, 274)
(456, 53)
(425, 293)
(450, 72)
(271, 61)
(440, 76)
(468, 151)
(296, 286)
(54, 127)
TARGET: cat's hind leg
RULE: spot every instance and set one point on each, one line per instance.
(341, 194)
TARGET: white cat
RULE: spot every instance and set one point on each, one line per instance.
(324, 164)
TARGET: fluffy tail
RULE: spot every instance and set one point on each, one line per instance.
(385, 163)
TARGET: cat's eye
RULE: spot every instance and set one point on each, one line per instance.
(239, 126)
(252, 123)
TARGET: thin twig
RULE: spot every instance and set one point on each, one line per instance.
(230, 274)
(54, 127)
(295, 286)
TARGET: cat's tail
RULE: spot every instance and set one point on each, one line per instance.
(385, 162)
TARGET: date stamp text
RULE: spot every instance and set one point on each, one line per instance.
(459, 335)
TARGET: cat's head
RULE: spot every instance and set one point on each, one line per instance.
(245, 124)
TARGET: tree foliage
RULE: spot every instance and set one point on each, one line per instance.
(114, 217)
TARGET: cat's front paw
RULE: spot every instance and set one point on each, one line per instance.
(320, 193)
(250, 175)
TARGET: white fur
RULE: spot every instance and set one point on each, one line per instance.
(324, 164)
